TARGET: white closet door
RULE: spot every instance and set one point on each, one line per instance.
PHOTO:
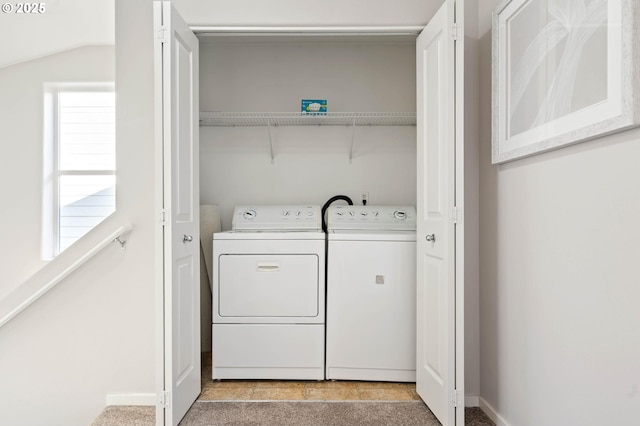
(179, 52)
(436, 372)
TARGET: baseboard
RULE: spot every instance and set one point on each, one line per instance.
(492, 413)
(132, 399)
(471, 401)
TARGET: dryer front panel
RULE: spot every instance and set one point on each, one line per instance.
(268, 286)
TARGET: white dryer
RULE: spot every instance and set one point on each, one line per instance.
(371, 293)
(269, 295)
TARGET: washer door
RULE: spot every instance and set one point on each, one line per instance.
(283, 285)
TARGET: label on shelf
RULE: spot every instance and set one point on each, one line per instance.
(314, 106)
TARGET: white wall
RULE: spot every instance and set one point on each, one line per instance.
(311, 163)
(560, 277)
(93, 335)
(471, 224)
(21, 121)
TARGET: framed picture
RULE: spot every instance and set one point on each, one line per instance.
(563, 71)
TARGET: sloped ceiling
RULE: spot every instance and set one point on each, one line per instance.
(65, 24)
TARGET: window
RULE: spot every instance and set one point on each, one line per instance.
(80, 150)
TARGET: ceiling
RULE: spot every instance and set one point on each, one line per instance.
(65, 24)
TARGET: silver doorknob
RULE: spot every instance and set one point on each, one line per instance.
(187, 238)
(431, 238)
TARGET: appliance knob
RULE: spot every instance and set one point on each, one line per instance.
(363, 214)
(351, 213)
(400, 215)
(249, 214)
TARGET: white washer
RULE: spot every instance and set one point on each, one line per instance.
(371, 293)
(269, 295)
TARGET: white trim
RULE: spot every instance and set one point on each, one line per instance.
(305, 31)
(52, 175)
(158, 232)
(131, 399)
(492, 413)
(471, 401)
(81, 86)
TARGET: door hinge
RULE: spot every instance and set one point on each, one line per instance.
(456, 215)
(162, 35)
(165, 398)
(454, 31)
(457, 399)
(164, 217)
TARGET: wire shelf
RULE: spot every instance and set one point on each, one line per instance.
(247, 119)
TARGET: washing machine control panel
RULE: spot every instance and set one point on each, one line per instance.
(388, 218)
(277, 218)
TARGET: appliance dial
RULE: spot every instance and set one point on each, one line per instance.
(249, 214)
(400, 215)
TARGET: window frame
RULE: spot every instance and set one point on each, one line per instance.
(52, 172)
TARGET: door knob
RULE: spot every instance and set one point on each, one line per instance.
(187, 238)
(431, 238)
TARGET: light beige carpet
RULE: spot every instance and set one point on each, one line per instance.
(126, 415)
(309, 413)
(298, 413)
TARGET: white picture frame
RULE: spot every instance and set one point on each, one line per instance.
(563, 72)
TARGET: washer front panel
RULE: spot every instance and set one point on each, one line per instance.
(371, 319)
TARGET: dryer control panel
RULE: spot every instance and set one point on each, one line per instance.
(383, 218)
(277, 218)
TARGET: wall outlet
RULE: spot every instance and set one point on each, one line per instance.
(364, 198)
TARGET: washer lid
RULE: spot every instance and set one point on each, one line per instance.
(277, 218)
(390, 218)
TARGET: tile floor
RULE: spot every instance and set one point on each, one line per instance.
(301, 390)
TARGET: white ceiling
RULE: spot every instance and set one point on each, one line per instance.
(65, 24)
(307, 12)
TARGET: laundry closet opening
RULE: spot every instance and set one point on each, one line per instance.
(269, 163)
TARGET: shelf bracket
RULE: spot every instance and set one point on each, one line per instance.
(353, 138)
(270, 140)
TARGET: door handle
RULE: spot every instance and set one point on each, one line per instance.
(268, 267)
(187, 238)
(431, 238)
